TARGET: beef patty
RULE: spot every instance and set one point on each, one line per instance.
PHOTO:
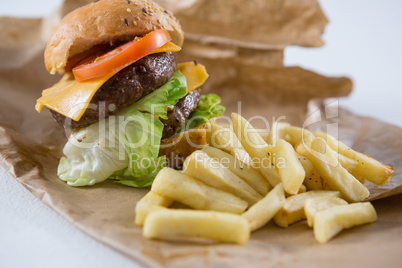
(178, 114)
(125, 88)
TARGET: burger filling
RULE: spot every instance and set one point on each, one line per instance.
(131, 84)
(125, 88)
(178, 114)
(125, 119)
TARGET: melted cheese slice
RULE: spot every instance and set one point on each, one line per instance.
(71, 98)
(195, 73)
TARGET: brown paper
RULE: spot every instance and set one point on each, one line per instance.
(269, 91)
(258, 80)
(253, 24)
(31, 143)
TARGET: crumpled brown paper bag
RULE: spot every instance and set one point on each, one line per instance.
(258, 24)
(31, 143)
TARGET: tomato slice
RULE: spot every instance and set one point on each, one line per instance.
(121, 57)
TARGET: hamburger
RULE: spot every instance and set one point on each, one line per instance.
(131, 108)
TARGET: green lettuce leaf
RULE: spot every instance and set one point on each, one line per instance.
(92, 154)
(208, 108)
(124, 147)
(169, 94)
(124, 176)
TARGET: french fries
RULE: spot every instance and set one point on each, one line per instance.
(312, 179)
(189, 191)
(150, 202)
(349, 164)
(367, 168)
(302, 189)
(223, 138)
(256, 147)
(264, 134)
(331, 221)
(265, 209)
(185, 223)
(248, 176)
(338, 178)
(210, 171)
(293, 209)
(298, 135)
(316, 204)
(291, 172)
(276, 133)
(251, 176)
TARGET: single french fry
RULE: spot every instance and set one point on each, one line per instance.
(249, 137)
(325, 186)
(306, 164)
(265, 209)
(185, 223)
(325, 160)
(293, 209)
(302, 189)
(298, 135)
(241, 169)
(256, 147)
(312, 179)
(330, 222)
(220, 137)
(150, 202)
(223, 138)
(289, 167)
(193, 193)
(210, 171)
(276, 132)
(301, 148)
(264, 133)
(367, 168)
(349, 164)
(316, 204)
(243, 156)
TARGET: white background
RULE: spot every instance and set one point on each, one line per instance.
(364, 42)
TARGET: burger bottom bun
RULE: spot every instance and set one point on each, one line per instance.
(178, 147)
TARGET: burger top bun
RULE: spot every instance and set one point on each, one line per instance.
(104, 22)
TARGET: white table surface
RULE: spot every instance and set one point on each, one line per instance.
(364, 42)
